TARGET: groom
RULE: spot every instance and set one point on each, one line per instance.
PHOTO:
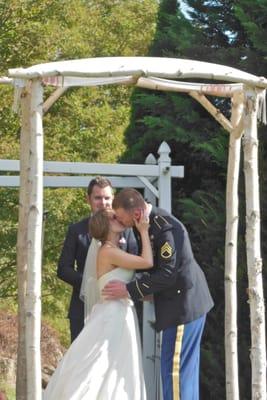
(181, 294)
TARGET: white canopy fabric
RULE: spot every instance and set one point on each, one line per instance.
(171, 68)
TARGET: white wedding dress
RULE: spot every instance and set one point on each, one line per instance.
(104, 362)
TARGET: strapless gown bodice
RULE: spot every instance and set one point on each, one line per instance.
(120, 274)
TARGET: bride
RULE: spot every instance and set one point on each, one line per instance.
(104, 362)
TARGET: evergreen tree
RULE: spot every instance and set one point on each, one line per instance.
(243, 24)
(216, 33)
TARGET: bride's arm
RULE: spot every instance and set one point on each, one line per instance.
(120, 258)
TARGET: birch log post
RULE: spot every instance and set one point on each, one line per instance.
(22, 262)
(230, 276)
(254, 260)
(34, 247)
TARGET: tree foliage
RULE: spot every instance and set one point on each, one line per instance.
(83, 125)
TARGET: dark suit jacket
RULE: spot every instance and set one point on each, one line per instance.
(73, 256)
(180, 289)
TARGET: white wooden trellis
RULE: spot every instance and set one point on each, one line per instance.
(155, 179)
(124, 175)
(247, 92)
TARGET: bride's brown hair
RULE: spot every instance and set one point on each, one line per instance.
(99, 225)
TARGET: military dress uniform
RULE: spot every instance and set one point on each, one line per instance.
(71, 266)
(182, 300)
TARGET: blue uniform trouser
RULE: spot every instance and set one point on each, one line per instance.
(180, 355)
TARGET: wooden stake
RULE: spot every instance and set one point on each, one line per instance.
(34, 245)
(22, 259)
(230, 275)
(254, 260)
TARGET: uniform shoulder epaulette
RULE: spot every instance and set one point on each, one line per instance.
(160, 221)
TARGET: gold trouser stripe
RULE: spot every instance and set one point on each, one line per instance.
(176, 363)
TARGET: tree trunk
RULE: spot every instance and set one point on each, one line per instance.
(254, 261)
(34, 246)
(231, 351)
(22, 261)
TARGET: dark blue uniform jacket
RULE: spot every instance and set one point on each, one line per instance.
(180, 289)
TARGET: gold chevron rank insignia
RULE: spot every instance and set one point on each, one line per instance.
(166, 250)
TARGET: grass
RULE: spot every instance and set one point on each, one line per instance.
(8, 305)
(57, 321)
(55, 318)
(8, 390)
(61, 325)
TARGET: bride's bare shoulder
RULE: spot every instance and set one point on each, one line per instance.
(107, 249)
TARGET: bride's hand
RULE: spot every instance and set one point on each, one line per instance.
(143, 223)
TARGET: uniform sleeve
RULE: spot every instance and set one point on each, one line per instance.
(164, 272)
(66, 265)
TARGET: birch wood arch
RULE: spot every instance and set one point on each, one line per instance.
(247, 94)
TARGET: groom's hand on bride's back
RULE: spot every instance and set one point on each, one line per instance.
(115, 290)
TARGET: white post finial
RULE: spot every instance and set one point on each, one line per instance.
(164, 163)
(164, 151)
(150, 159)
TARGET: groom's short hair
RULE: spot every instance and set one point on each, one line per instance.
(128, 199)
(99, 181)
